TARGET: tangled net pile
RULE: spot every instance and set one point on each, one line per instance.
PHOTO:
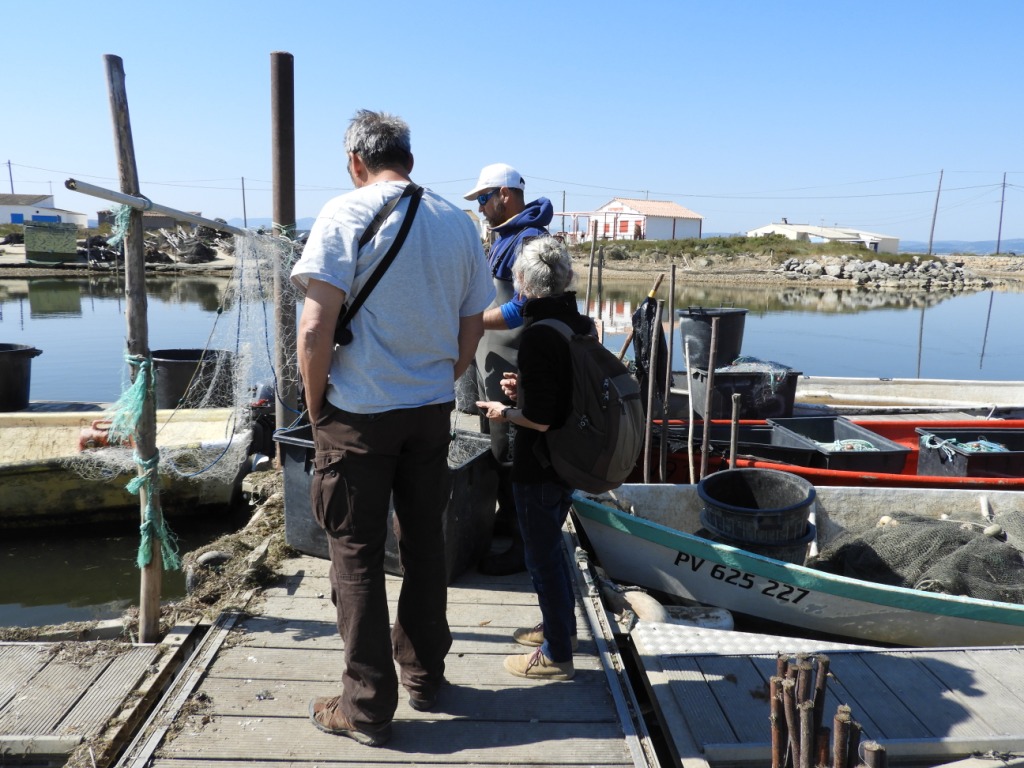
(237, 355)
(948, 556)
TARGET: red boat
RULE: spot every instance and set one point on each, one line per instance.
(902, 432)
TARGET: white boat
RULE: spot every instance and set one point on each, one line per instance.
(644, 535)
(940, 394)
(54, 477)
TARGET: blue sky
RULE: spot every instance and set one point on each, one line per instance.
(745, 112)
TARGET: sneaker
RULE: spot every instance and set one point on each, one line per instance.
(326, 715)
(539, 667)
(534, 637)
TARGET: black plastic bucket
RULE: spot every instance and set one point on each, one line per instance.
(756, 506)
(788, 551)
(187, 376)
(695, 326)
(16, 375)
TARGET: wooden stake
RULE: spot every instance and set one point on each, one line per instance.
(853, 745)
(734, 428)
(689, 412)
(663, 448)
(820, 683)
(792, 720)
(138, 340)
(874, 755)
(706, 442)
(651, 388)
(807, 750)
(821, 752)
(841, 739)
(778, 722)
(590, 274)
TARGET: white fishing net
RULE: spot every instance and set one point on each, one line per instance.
(207, 399)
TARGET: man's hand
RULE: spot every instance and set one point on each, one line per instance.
(315, 341)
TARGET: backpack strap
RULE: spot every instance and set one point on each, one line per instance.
(342, 335)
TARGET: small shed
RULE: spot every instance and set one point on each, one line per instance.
(627, 219)
(812, 234)
(22, 209)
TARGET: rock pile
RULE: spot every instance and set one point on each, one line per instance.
(924, 274)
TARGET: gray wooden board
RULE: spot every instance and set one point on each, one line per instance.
(243, 662)
(984, 701)
(307, 586)
(930, 701)
(443, 742)
(586, 699)
(869, 695)
(1004, 664)
(688, 686)
(18, 663)
(106, 695)
(48, 695)
(315, 635)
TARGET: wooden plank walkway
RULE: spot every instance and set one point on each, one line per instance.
(54, 696)
(926, 706)
(247, 700)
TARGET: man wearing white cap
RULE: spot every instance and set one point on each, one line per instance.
(500, 194)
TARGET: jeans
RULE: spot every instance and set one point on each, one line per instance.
(542, 508)
(362, 462)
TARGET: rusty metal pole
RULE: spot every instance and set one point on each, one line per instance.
(282, 98)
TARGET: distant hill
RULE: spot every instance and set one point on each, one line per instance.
(963, 246)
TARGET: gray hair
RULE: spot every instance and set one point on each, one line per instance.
(543, 268)
(380, 139)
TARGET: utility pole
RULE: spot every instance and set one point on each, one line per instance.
(10, 176)
(563, 211)
(935, 213)
(245, 216)
(1002, 201)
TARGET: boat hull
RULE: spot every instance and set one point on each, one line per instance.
(39, 490)
(652, 554)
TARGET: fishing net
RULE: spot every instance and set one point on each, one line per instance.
(948, 556)
(645, 358)
(203, 431)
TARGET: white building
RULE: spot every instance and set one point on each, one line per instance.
(19, 209)
(627, 219)
(812, 234)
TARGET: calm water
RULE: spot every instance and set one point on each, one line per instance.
(80, 326)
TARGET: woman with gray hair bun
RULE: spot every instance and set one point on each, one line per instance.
(542, 393)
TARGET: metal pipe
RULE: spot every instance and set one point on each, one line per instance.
(145, 204)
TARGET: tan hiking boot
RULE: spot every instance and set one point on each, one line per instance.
(534, 637)
(326, 715)
(537, 666)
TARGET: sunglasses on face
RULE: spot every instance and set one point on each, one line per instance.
(482, 199)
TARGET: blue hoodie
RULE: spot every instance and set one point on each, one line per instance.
(531, 222)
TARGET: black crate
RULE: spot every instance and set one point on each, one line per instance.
(823, 431)
(468, 518)
(939, 458)
(762, 396)
(763, 441)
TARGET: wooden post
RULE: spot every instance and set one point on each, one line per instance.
(138, 339)
(706, 442)
(650, 295)
(792, 720)
(874, 755)
(778, 722)
(282, 97)
(841, 737)
(689, 411)
(600, 281)
(590, 273)
(663, 450)
(734, 428)
(807, 743)
(651, 387)
(820, 684)
(853, 745)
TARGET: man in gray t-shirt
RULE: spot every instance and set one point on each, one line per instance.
(380, 408)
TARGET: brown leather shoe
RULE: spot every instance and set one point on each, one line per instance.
(325, 713)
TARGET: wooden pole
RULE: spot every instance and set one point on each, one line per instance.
(778, 722)
(734, 428)
(651, 388)
(282, 96)
(650, 295)
(590, 273)
(663, 449)
(792, 720)
(935, 214)
(600, 281)
(705, 446)
(841, 738)
(807, 744)
(689, 411)
(874, 755)
(820, 684)
(137, 341)
(853, 745)
(1002, 202)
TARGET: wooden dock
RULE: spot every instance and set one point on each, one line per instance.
(927, 707)
(242, 699)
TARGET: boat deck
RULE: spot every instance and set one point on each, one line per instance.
(243, 699)
(926, 706)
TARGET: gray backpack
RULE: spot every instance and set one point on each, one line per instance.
(597, 447)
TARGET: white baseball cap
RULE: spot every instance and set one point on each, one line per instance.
(496, 175)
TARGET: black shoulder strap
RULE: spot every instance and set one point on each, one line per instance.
(412, 191)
